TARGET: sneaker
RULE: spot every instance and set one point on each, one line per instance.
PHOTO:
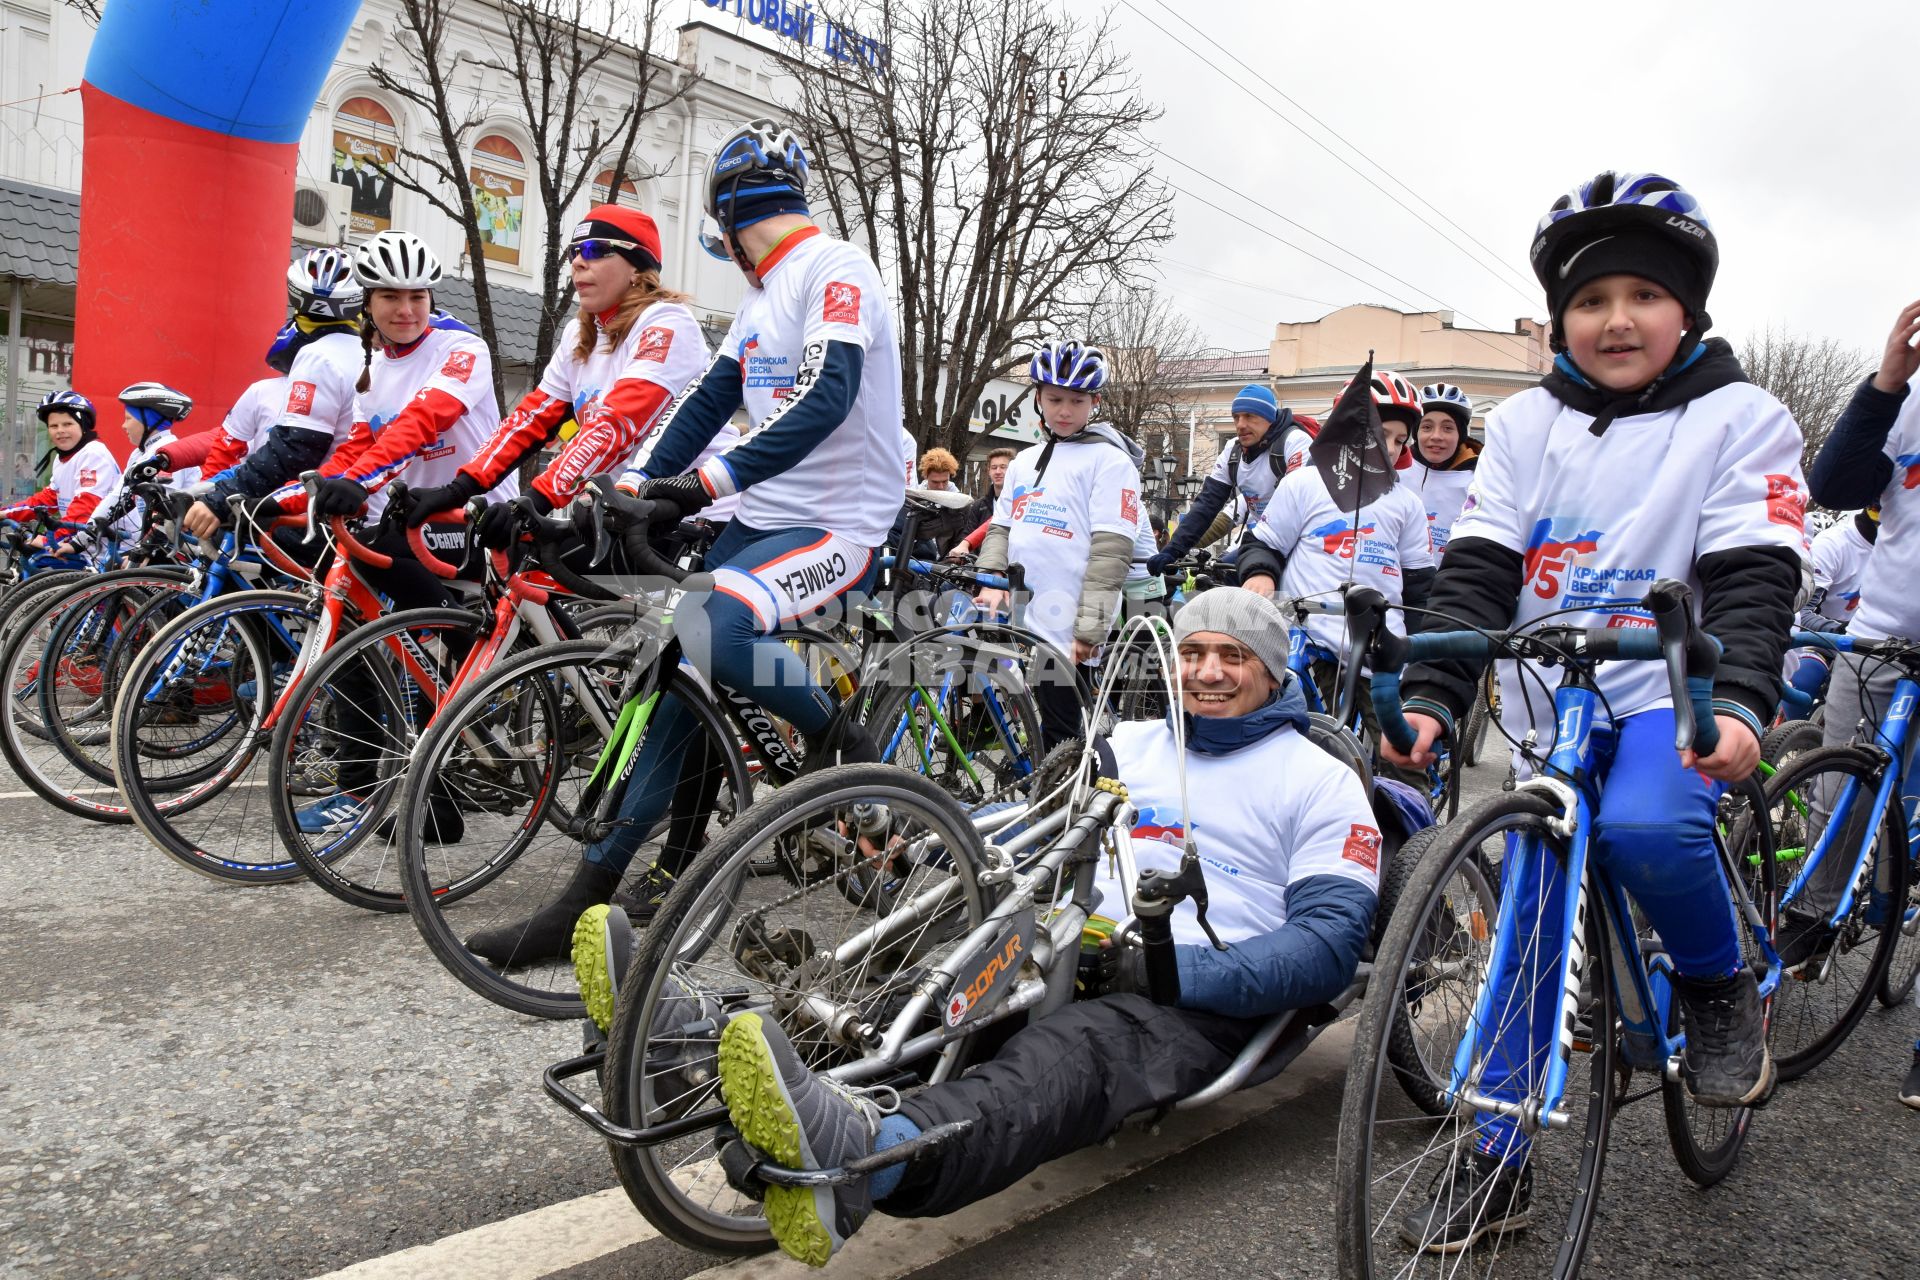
(330, 815)
(1482, 1194)
(1803, 940)
(602, 953)
(1910, 1090)
(683, 1049)
(642, 901)
(1725, 1062)
(801, 1122)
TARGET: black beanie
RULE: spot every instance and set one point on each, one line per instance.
(1637, 253)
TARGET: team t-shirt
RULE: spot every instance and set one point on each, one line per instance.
(1598, 519)
(1840, 558)
(1889, 600)
(1326, 547)
(1269, 816)
(454, 361)
(128, 526)
(90, 469)
(1091, 486)
(255, 412)
(320, 387)
(1443, 493)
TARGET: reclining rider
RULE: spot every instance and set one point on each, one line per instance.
(1293, 905)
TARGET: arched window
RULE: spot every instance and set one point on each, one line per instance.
(499, 176)
(364, 142)
(603, 190)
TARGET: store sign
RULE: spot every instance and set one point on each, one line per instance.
(50, 356)
(1005, 410)
(801, 24)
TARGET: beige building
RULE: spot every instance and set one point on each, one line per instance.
(1308, 363)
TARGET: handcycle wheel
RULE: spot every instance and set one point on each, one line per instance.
(514, 748)
(192, 717)
(355, 715)
(1814, 1013)
(726, 940)
(994, 739)
(1706, 1141)
(76, 779)
(1449, 943)
(1392, 1156)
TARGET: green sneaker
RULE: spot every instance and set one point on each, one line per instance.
(602, 954)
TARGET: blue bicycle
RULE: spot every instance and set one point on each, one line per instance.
(1589, 997)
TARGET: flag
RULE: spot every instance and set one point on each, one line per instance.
(1351, 450)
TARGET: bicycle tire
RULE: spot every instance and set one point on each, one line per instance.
(1903, 970)
(1794, 737)
(1473, 737)
(87, 724)
(1812, 1018)
(21, 597)
(334, 863)
(430, 887)
(685, 933)
(906, 711)
(160, 802)
(1369, 1127)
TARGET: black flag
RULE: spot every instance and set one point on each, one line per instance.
(1351, 450)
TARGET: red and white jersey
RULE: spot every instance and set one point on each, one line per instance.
(248, 422)
(319, 387)
(82, 480)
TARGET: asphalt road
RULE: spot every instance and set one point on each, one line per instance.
(205, 1081)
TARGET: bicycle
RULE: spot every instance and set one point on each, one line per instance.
(1591, 983)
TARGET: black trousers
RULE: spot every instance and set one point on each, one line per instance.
(1060, 1084)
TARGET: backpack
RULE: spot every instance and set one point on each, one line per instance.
(1275, 458)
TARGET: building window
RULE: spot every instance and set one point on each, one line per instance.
(364, 142)
(499, 175)
(603, 190)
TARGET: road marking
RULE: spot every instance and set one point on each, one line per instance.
(77, 791)
(578, 1231)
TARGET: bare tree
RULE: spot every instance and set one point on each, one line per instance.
(1813, 377)
(88, 9)
(993, 154)
(437, 169)
(555, 56)
(1147, 340)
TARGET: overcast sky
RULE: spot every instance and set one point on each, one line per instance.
(1796, 124)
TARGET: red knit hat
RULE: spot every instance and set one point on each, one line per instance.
(617, 222)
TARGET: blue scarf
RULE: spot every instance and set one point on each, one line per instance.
(1223, 735)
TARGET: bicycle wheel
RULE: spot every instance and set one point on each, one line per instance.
(511, 748)
(1706, 1141)
(193, 714)
(95, 638)
(1784, 741)
(727, 940)
(75, 778)
(16, 604)
(1451, 943)
(1904, 969)
(348, 727)
(1393, 1159)
(971, 743)
(1473, 737)
(1814, 1011)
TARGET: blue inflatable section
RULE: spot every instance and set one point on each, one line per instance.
(243, 68)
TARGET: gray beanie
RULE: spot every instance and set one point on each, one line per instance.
(1249, 618)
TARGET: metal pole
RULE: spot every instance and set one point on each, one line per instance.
(16, 350)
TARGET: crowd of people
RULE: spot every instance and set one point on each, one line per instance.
(1645, 453)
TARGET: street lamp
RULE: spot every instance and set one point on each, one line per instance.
(1167, 464)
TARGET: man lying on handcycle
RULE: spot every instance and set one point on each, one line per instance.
(1293, 852)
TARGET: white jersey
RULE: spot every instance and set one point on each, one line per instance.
(1253, 482)
(1889, 603)
(1326, 547)
(1270, 815)
(909, 450)
(89, 469)
(1091, 486)
(128, 526)
(450, 359)
(320, 387)
(1840, 558)
(255, 412)
(1598, 519)
(1443, 493)
(815, 290)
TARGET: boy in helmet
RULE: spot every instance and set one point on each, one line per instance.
(1444, 456)
(1069, 514)
(1644, 454)
(152, 409)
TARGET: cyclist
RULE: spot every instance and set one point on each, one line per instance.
(152, 409)
(980, 514)
(324, 361)
(1443, 458)
(1293, 906)
(632, 348)
(1306, 545)
(84, 470)
(1267, 444)
(1644, 454)
(1069, 513)
(1871, 456)
(813, 358)
(1839, 556)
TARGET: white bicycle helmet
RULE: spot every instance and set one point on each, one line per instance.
(321, 285)
(396, 260)
(158, 399)
(1446, 396)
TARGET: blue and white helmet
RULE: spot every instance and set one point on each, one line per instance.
(68, 402)
(1614, 202)
(761, 163)
(1073, 365)
(321, 285)
(1446, 396)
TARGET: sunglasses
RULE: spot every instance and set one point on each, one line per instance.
(595, 249)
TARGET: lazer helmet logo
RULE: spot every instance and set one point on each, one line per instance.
(1548, 558)
(1338, 537)
(1693, 229)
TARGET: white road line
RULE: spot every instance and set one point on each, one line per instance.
(78, 791)
(578, 1231)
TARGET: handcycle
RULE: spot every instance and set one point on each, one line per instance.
(1592, 992)
(984, 923)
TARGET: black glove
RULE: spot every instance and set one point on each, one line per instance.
(263, 511)
(1109, 971)
(677, 498)
(339, 496)
(148, 471)
(1157, 563)
(494, 530)
(423, 504)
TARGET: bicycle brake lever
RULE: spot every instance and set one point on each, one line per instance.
(310, 481)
